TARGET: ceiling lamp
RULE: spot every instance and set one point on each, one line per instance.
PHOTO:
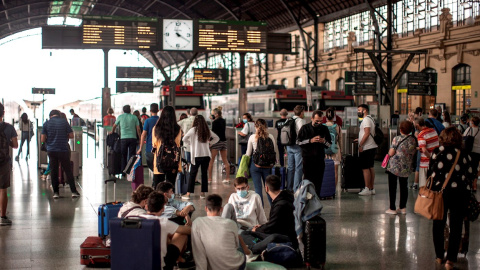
(465, 4)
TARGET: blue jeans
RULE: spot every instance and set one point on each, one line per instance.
(295, 167)
(259, 175)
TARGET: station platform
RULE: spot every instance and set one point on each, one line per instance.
(47, 233)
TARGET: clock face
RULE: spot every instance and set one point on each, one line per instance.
(177, 35)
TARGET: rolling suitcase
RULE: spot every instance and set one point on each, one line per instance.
(114, 163)
(328, 185)
(315, 242)
(181, 184)
(282, 173)
(107, 211)
(352, 174)
(135, 243)
(93, 252)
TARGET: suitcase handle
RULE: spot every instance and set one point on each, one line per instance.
(114, 180)
(131, 224)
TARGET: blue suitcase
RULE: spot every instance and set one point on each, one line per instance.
(181, 185)
(107, 211)
(328, 184)
(135, 244)
(282, 173)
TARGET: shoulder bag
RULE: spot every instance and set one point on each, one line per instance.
(430, 203)
(244, 139)
(387, 156)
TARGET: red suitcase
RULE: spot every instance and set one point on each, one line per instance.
(94, 252)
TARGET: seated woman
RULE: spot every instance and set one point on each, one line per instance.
(136, 206)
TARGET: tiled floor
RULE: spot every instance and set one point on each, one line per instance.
(47, 233)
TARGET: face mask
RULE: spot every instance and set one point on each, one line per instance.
(213, 116)
(171, 198)
(245, 121)
(242, 193)
(360, 114)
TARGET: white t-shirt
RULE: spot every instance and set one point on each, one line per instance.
(249, 210)
(476, 142)
(167, 227)
(249, 127)
(135, 212)
(369, 143)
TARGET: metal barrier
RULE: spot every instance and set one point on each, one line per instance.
(76, 144)
(42, 155)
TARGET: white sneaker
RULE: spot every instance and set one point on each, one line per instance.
(372, 191)
(365, 192)
(391, 212)
(225, 181)
(402, 211)
(185, 197)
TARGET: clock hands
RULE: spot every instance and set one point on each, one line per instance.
(180, 36)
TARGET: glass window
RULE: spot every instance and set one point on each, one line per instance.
(341, 84)
(326, 84)
(298, 82)
(285, 82)
(275, 81)
(461, 75)
(463, 98)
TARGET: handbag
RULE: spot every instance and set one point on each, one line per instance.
(429, 203)
(244, 139)
(473, 208)
(386, 159)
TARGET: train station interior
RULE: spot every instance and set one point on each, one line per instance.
(394, 56)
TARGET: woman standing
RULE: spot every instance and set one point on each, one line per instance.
(473, 130)
(447, 120)
(218, 127)
(337, 157)
(455, 194)
(109, 119)
(166, 131)
(248, 129)
(200, 138)
(400, 166)
(26, 127)
(258, 172)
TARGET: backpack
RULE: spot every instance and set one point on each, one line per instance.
(431, 124)
(469, 140)
(378, 138)
(333, 149)
(168, 157)
(281, 253)
(288, 133)
(264, 155)
(4, 145)
(113, 141)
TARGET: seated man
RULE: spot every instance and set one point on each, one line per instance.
(280, 227)
(173, 237)
(244, 206)
(215, 241)
(175, 210)
(136, 206)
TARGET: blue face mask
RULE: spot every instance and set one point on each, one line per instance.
(242, 193)
(245, 121)
(171, 198)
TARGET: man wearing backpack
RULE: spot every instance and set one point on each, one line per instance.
(278, 125)
(367, 148)
(294, 152)
(313, 138)
(8, 138)
(432, 121)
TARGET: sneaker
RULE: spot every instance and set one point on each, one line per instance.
(186, 197)
(372, 191)
(365, 192)
(56, 195)
(226, 181)
(202, 195)
(402, 211)
(5, 221)
(391, 212)
(75, 194)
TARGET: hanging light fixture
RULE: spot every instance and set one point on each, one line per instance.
(465, 4)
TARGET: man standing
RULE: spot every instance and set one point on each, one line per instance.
(313, 138)
(294, 152)
(55, 133)
(147, 135)
(433, 122)
(186, 125)
(8, 138)
(215, 240)
(129, 129)
(76, 120)
(427, 142)
(367, 148)
(278, 126)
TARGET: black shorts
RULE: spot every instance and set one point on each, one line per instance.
(367, 158)
(5, 172)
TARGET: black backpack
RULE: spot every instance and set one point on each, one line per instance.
(470, 140)
(4, 145)
(168, 157)
(378, 138)
(264, 155)
(288, 133)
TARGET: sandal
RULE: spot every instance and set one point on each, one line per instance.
(449, 265)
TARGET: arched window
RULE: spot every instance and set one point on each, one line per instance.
(341, 84)
(461, 85)
(326, 84)
(297, 82)
(275, 82)
(285, 82)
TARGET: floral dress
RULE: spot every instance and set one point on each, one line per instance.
(401, 163)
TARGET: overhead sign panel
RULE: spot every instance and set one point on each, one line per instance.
(422, 77)
(210, 74)
(110, 32)
(135, 72)
(43, 91)
(360, 76)
(210, 81)
(209, 87)
(56, 37)
(134, 86)
(231, 36)
(360, 83)
(421, 84)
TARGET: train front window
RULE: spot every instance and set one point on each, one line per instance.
(188, 102)
(338, 104)
(289, 105)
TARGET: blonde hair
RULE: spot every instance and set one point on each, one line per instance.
(261, 126)
(218, 111)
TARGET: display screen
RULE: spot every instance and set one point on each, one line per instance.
(136, 33)
(231, 36)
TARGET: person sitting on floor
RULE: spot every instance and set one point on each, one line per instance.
(177, 211)
(173, 237)
(215, 240)
(136, 206)
(244, 206)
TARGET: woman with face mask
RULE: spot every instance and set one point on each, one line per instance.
(247, 131)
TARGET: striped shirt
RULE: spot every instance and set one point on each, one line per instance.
(57, 129)
(427, 138)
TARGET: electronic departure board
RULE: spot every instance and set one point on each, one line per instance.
(231, 36)
(110, 32)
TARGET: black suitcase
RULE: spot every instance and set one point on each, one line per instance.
(352, 174)
(114, 162)
(315, 242)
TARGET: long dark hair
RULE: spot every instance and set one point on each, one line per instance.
(203, 132)
(24, 118)
(166, 128)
